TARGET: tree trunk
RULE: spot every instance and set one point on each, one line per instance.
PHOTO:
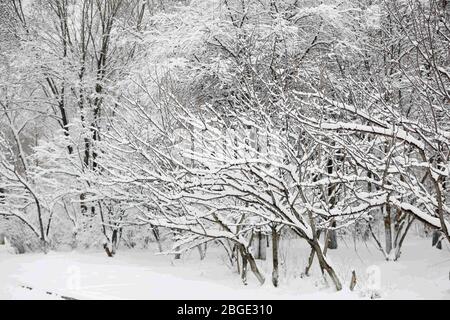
(388, 230)
(244, 269)
(255, 270)
(332, 237)
(260, 246)
(311, 257)
(41, 226)
(178, 255)
(74, 243)
(202, 250)
(247, 258)
(155, 231)
(114, 242)
(398, 246)
(275, 243)
(108, 252)
(83, 204)
(325, 266)
(237, 254)
(310, 261)
(353, 281)
(436, 240)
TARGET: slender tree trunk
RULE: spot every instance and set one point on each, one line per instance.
(236, 255)
(275, 243)
(260, 244)
(155, 231)
(400, 243)
(437, 242)
(310, 262)
(311, 256)
(254, 268)
(388, 230)
(41, 225)
(202, 250)
(244, 269)
(114, 241)
(74, 243)
(332, 237)
(247, 258)
(108, 252)
(353, 281)
(325, 266)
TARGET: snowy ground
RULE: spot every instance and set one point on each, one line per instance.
(421, 273)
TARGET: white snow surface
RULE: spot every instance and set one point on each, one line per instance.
(421, 273)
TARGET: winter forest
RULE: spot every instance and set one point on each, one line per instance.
(284, 149)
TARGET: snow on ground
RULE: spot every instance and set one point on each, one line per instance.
(422, 273)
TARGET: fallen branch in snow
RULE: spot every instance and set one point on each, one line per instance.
(50, 293)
